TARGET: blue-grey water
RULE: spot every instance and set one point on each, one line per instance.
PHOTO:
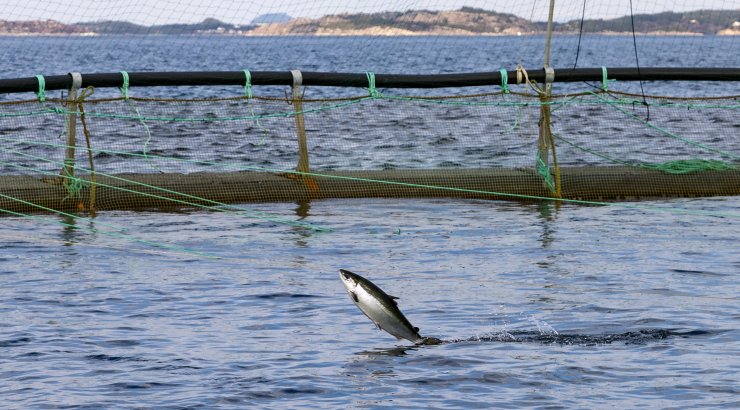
(629, 305)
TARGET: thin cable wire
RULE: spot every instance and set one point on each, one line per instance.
(637, 61)
(580, 33)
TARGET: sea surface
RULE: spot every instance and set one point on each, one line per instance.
(628, 305)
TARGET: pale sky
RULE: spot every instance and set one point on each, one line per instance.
(243, 11)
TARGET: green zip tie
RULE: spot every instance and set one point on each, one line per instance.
(504, 81)
(124, 86)
(247, 84)
(371, 85)
(604, 80)
(42, 88)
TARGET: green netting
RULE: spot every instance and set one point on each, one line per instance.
(134, 153)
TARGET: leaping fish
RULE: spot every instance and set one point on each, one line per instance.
(381, 308)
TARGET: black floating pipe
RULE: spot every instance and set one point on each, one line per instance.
(310, 78)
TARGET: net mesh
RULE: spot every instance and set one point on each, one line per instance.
(161, 147)
(147, 152)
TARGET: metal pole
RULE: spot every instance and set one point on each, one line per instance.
(545, 140)
(300, 123)
(68, 170)
(549, 33)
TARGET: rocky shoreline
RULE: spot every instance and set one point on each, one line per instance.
(464, 22)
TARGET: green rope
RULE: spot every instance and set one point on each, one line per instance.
(504, 81)
(217, 206)
(688, 166)
(543, 170)
(72, 184)
(117, 233)
(666, 132)
(292, 113)
(41, 93)
(604, 80)
(248, 84)
(124, 86)
(598, 154)
(239, 167)
(124, 93)
(517, 120)
(248, 94)
(683, 166)
(374, 93)
(523, 196)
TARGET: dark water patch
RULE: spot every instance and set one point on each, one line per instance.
(170, 368)
(284, 295)
(145, 315)
(261, 395)
(458, 380)
(118, 343)
(450, 164)
(642, 336)
(290, 391)
(396, 351)
(698, 272)
(112, 358)
(140, 385)
(130, 329)
(31, 355)
(96, 311)
(445, 140)
(19, 341)
(107, 155)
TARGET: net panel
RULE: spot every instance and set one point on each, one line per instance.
(146, 152)
(212, 146)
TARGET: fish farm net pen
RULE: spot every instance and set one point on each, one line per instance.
(506, 139)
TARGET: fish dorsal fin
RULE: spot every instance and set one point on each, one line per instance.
(416, 329)
(394, 299)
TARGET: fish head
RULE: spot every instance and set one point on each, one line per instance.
(351, 281)
(348, 276)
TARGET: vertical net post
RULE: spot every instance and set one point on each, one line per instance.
(546, 140)
(68, 170)
(300, 123)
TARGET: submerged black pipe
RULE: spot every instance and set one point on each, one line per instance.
(310, 78)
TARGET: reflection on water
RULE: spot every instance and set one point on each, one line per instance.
(394, 351)
(70, 229)
(302, 209)
(548, 211)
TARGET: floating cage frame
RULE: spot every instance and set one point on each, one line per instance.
(25, 193)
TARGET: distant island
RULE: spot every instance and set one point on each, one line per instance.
(463, 22)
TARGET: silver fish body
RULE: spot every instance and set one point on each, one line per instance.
(381, 308)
